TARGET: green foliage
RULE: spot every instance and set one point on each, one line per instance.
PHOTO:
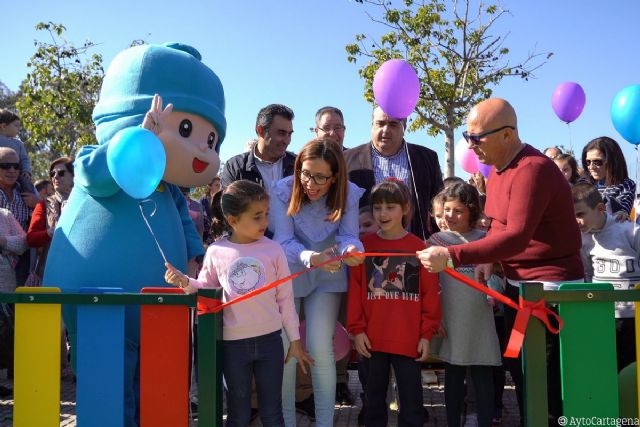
(57, 97)
(451, 48)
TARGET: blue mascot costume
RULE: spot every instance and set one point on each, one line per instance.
(101, 238)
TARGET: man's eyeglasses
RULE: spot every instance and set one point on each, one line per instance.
(474, 138)
(305, 176)
(7, 166)
(53, 174)
(594, 162)
(335, 129)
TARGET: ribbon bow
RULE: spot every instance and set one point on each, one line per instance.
(525, 309)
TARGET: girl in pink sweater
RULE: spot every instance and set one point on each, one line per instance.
(239, 263)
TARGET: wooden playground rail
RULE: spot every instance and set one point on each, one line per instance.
(589, 373)
(164, 366)
(588, 357)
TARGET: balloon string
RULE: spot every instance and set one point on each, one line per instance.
(415, 190)
(149, 225)
(636, 206)
(570, 139)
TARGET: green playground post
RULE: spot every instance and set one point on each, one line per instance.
(210, 364)
(588, 360)
(534, 361)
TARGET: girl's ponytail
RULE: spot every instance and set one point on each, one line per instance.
(219, 225)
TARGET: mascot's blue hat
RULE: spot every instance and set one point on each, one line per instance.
(174, 71)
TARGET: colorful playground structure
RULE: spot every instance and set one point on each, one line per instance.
(589, 372)
(587, 341)
(164, 357)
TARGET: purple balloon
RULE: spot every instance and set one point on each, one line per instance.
(568, 101)
(396, 88)
(484, 169)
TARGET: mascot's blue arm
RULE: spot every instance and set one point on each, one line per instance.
(92, 172)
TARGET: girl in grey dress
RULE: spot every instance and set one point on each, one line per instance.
(468, 336)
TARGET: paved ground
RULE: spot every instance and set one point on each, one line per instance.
(346, 416)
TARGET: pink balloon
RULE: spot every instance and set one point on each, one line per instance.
(470, 162)
(396, 88)
(341, 341)
(484, 169)
(466, 157)
(568, 101)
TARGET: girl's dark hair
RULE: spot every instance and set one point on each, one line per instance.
(234, 200)
(451, 180)
(438, 199)
(364, 209)
(575, 176)
(393, 191)
(466, 194)
(66, 161)
(7, 116)
(329, 151)
(615, 166)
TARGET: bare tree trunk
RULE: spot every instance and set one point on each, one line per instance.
(450, 169)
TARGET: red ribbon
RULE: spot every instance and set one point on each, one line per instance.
(208, 305)
(525, 309)
(205, 306)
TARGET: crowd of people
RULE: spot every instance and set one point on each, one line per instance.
(536, 217)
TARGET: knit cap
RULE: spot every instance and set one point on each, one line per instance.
(172, 70)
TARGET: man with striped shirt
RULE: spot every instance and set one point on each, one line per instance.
(388, 155)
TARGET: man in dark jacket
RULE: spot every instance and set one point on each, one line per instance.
(267, 161)
(388, 155)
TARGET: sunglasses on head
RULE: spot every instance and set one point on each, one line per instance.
(53, 174)
(594, 162)
(7, 166)
(474, 138)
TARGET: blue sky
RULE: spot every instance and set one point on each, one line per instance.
(292, 52)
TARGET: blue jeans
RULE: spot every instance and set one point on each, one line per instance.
(321, 313)
(262, 357)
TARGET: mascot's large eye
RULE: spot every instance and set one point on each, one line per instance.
(185, 128)
(212, 141)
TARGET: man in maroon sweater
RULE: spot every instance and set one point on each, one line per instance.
(533, 232)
